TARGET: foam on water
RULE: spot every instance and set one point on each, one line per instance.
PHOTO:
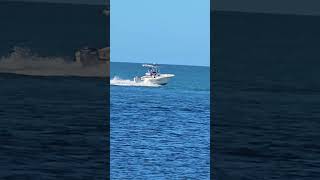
(117, 81)
(23, 61)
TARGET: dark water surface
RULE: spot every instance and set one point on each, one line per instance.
(266, 96)
(53, 128)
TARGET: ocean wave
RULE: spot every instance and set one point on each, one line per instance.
(117, 81)
(24, 62)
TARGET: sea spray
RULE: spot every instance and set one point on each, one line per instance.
(117, 81)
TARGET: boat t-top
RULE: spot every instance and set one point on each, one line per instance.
(153, 75)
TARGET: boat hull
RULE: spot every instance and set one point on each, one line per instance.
(160, 80)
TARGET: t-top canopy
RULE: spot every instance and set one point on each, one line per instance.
(150, 65)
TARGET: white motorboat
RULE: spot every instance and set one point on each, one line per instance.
(153, 75)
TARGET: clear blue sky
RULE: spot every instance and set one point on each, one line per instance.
(160, 31)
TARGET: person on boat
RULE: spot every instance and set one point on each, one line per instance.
(154, 73)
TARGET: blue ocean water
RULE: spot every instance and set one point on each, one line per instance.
(53, 124)
(265, 96)
(160, 132)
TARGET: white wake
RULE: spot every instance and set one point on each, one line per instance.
(116, 81)
(23, 61)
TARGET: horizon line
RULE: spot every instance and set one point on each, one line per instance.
(46, 2)
(162, 64)
(265, 13)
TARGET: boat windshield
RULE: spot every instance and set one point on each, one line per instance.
(153, 71)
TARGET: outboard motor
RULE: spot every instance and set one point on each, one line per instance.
(87, 56)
